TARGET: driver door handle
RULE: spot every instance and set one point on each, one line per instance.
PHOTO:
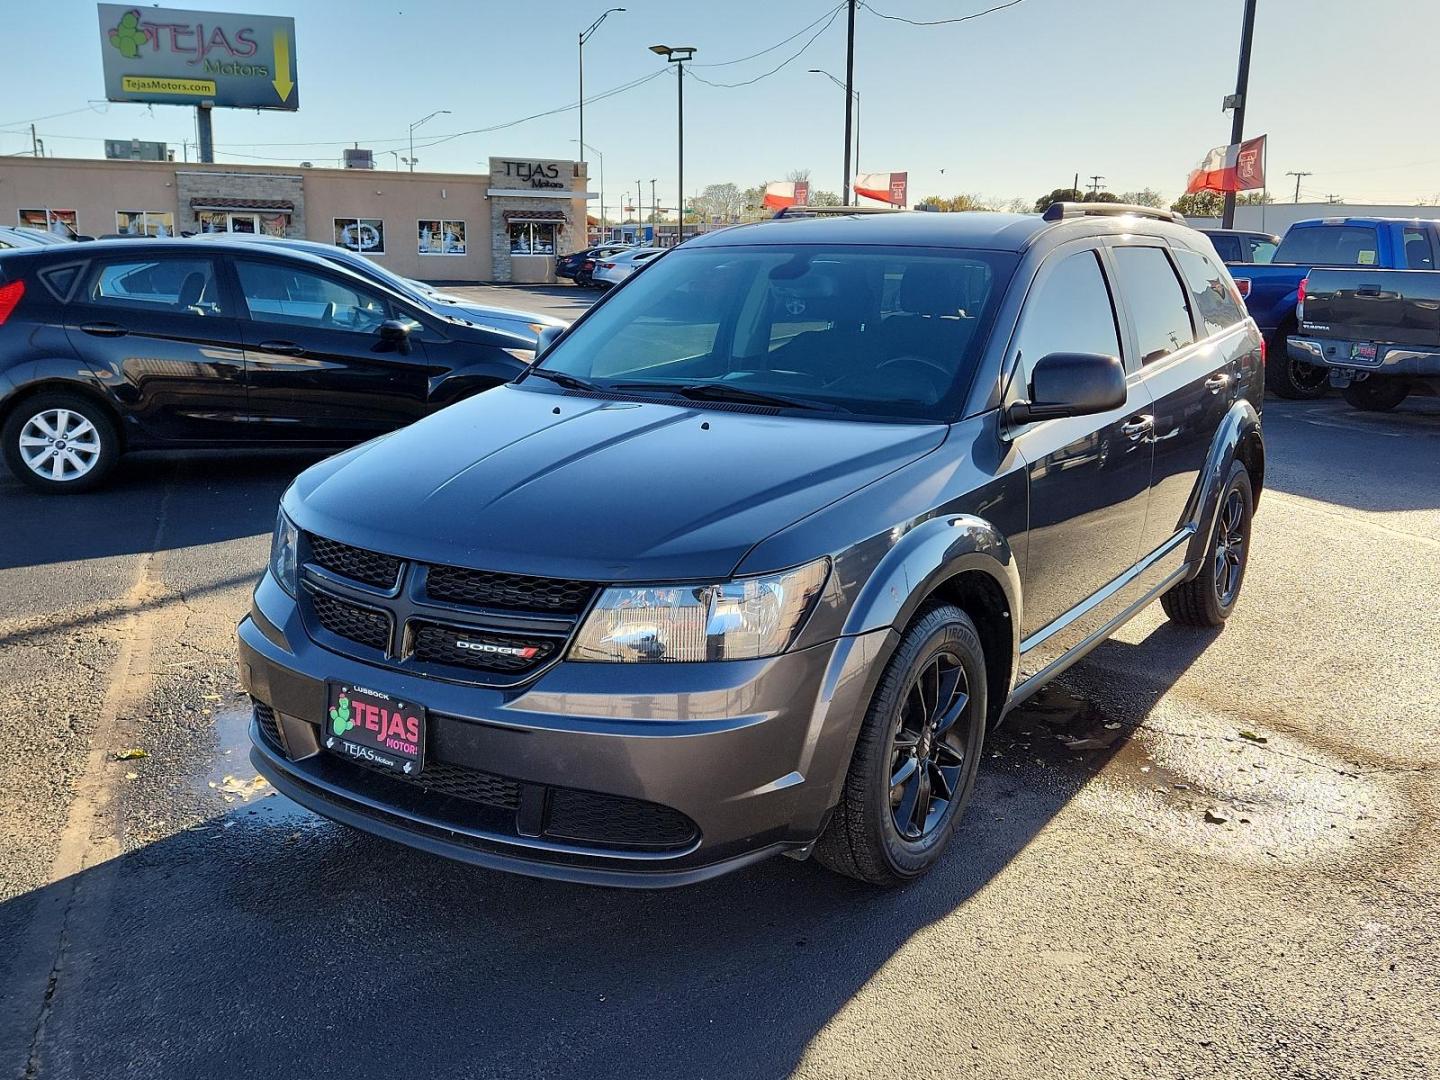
(1138, 426)
(284, 348)
(1218, 382)
(104, 329)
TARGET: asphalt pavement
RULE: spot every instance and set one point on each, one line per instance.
(1242, 881)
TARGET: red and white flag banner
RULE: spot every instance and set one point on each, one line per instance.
(886, 187)
(1237, 167)
(782, 193)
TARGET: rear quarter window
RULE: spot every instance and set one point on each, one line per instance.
(1210, 293)
(1330, 245)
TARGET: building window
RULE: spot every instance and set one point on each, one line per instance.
(439, 236)
(532, 238)
(144, 223)
(61, 222)
(365, 235)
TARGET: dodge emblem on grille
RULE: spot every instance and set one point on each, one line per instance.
(525, 652)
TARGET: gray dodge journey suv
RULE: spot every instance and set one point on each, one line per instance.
(755, 555)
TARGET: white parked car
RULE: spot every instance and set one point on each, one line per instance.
(19, 236)
(621, 265)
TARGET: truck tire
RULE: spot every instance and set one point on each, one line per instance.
(1209, 597)
(1376, 394)
(916, 758)
(60, 442)
(1288, 378)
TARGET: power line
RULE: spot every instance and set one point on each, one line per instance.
(771, 48)
(834, 14)
(938, 22)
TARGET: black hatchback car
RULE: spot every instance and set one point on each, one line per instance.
(154, 344)
(755, 555)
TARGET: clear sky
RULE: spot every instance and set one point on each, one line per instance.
(1013, 103)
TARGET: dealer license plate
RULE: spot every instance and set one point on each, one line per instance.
(375, 728)
(1363, 350)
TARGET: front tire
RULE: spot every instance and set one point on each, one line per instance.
(915, 762)
(60, 443)
(1376, 394)
(1289, 378)
(1209, 597)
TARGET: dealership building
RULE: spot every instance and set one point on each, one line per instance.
(506, 226)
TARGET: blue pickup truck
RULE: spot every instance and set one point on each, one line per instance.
(1272, 289)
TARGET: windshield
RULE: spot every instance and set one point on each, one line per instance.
(870, 330)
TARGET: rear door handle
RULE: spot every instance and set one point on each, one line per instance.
(1138, 426)
(104, 329)
(1216, 383)
(284, 348)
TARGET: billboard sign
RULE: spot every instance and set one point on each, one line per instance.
(166, 56)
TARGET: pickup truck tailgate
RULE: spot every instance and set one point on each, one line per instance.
(1401, 307)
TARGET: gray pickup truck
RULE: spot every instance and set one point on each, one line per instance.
(1378, 331)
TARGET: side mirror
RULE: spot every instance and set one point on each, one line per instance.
(1071, 384)
(396, 333)
(547, 338)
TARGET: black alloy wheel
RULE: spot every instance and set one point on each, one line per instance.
(1208, 598)
(1231, 536)
(927, 756)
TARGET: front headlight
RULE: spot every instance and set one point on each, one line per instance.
(732, 620)
(284, 553)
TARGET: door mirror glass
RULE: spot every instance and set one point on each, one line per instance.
(1072, 384)
(546, 339)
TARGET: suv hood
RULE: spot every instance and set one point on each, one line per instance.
(534, 482)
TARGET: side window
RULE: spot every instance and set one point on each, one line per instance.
(1227, 247)
(1209, 292)
(1155, 299)
(1418, 253)
(284, 294)
(1069, 311)
(175, 286)
(1262, 251)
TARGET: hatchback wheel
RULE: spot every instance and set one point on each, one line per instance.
(1376, 394)
(60, 442)
(916, 758)
(1208, 598)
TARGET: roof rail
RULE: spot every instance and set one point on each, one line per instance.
(786, 212)
(1063, 211)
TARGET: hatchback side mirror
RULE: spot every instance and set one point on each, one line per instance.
(1071, 384)
(396, 333)
(547, 338)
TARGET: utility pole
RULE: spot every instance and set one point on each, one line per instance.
(654, 209)
(849, 95)
(1242, 83)
(1095, 179)
(34, 143)
(1075, 187)
(1297, 176)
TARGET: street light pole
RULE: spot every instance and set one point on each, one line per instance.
(677, 55)
(584, 37)
(583, 148)
(654, 209)
(416, 124)
(1242, 83)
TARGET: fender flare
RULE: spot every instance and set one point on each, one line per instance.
(1240, 423)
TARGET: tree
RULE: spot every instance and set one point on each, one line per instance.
(955, 203)
(1200, 204)
(1100, 196)
(718, 202)
(824, 198)
(1018, 205)
(1058, 195)
(1254, 198)
(1144, 197)
(799, 176)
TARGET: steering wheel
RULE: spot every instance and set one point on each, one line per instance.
(936, 374)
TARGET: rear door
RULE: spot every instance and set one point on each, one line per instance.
(161, 329)
(1088, 475)
(318, 369)
(1192, 378)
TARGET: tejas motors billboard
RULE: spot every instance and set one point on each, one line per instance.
(171, 57)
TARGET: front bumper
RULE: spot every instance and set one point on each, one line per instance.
(750, 754)
(1389, 360)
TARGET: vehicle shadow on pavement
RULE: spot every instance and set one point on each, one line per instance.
(202, 498)
(280, 945)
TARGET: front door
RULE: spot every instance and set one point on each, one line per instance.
(165, 328)
(318, 369)
(1088, 476)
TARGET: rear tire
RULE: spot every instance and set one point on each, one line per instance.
(914, 766)
(60, 443)
(1376, 394)
(1210, 596)
(1292, 379)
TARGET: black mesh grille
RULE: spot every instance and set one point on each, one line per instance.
(614, 821)
(458, 782)
(265, 718)
(357, 564)
(351, 621)
(435, 644)
(457, 585)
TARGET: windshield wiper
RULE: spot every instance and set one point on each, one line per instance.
(729, 392)
(559, 378)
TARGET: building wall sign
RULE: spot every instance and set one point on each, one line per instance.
(535, 175)
(173, 57)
